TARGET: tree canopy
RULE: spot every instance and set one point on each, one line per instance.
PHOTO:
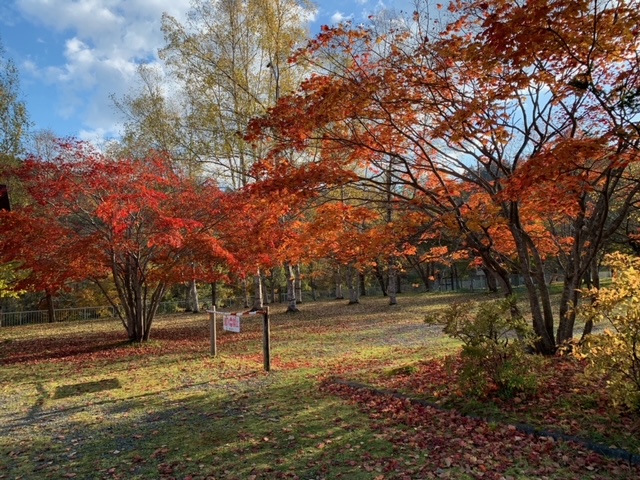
(501, 134)
(133, 220)
(510, 126)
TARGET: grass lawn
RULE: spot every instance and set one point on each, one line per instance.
(77, 401)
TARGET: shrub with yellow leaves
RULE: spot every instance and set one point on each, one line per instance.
(615, 354)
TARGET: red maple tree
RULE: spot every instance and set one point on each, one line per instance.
(136, 222)
(462, 116)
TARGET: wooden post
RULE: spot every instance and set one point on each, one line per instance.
(266, 340)
(212, 331)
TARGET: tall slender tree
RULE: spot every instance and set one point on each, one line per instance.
(231, 62)
(14, 120)
(14, 125)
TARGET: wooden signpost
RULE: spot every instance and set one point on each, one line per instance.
(231, 323)
(266, 340)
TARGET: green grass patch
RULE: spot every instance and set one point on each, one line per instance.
(78, 401)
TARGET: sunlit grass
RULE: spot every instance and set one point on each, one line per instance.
(78, 401)
(167, 408)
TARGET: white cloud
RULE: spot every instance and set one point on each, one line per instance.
(30, 67)
(104, 42)
(340, 17)
(97, 137)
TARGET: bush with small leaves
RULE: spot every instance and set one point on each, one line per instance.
(494, 345)
(615, 354)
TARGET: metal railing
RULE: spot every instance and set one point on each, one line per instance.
(14, 319)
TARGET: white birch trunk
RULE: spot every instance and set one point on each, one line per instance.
(298, 284)
(352, 285)
(257, 291)
(194, 302)
(291, 293)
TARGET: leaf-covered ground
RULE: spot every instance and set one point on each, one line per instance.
(456, 446)
(569, 401)
(77, 401)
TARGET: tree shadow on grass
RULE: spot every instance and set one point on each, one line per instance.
(77, 389)
(232, 430)
(50, 347)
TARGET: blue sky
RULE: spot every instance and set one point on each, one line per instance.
(73, 54)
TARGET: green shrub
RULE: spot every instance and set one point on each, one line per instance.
(615, 354)
(494, 344)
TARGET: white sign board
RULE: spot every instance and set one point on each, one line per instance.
(231, 323)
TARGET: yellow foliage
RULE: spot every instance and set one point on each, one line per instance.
(9, 275)
(616, 352)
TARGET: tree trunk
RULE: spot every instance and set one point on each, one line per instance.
(258, 302)
(539, 300)
(426, 274)
(392, 273)
(51, 312)
(138, 301)
(392, 283)
(363, 287)
(151, 307)
(338, 279)
(568, 302)
(455, 281)
(291, 293)
(245, 292)
(312, 281)
(592, 281)
(194, 302)
(265, 291)
(187, 297)
(138, 305)
(352, 285)
(490, 277)
(272, 278)
(378, 274)
(576, 267)
(495, 269)
(423, 270)
(298, 283)
(214, 294)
